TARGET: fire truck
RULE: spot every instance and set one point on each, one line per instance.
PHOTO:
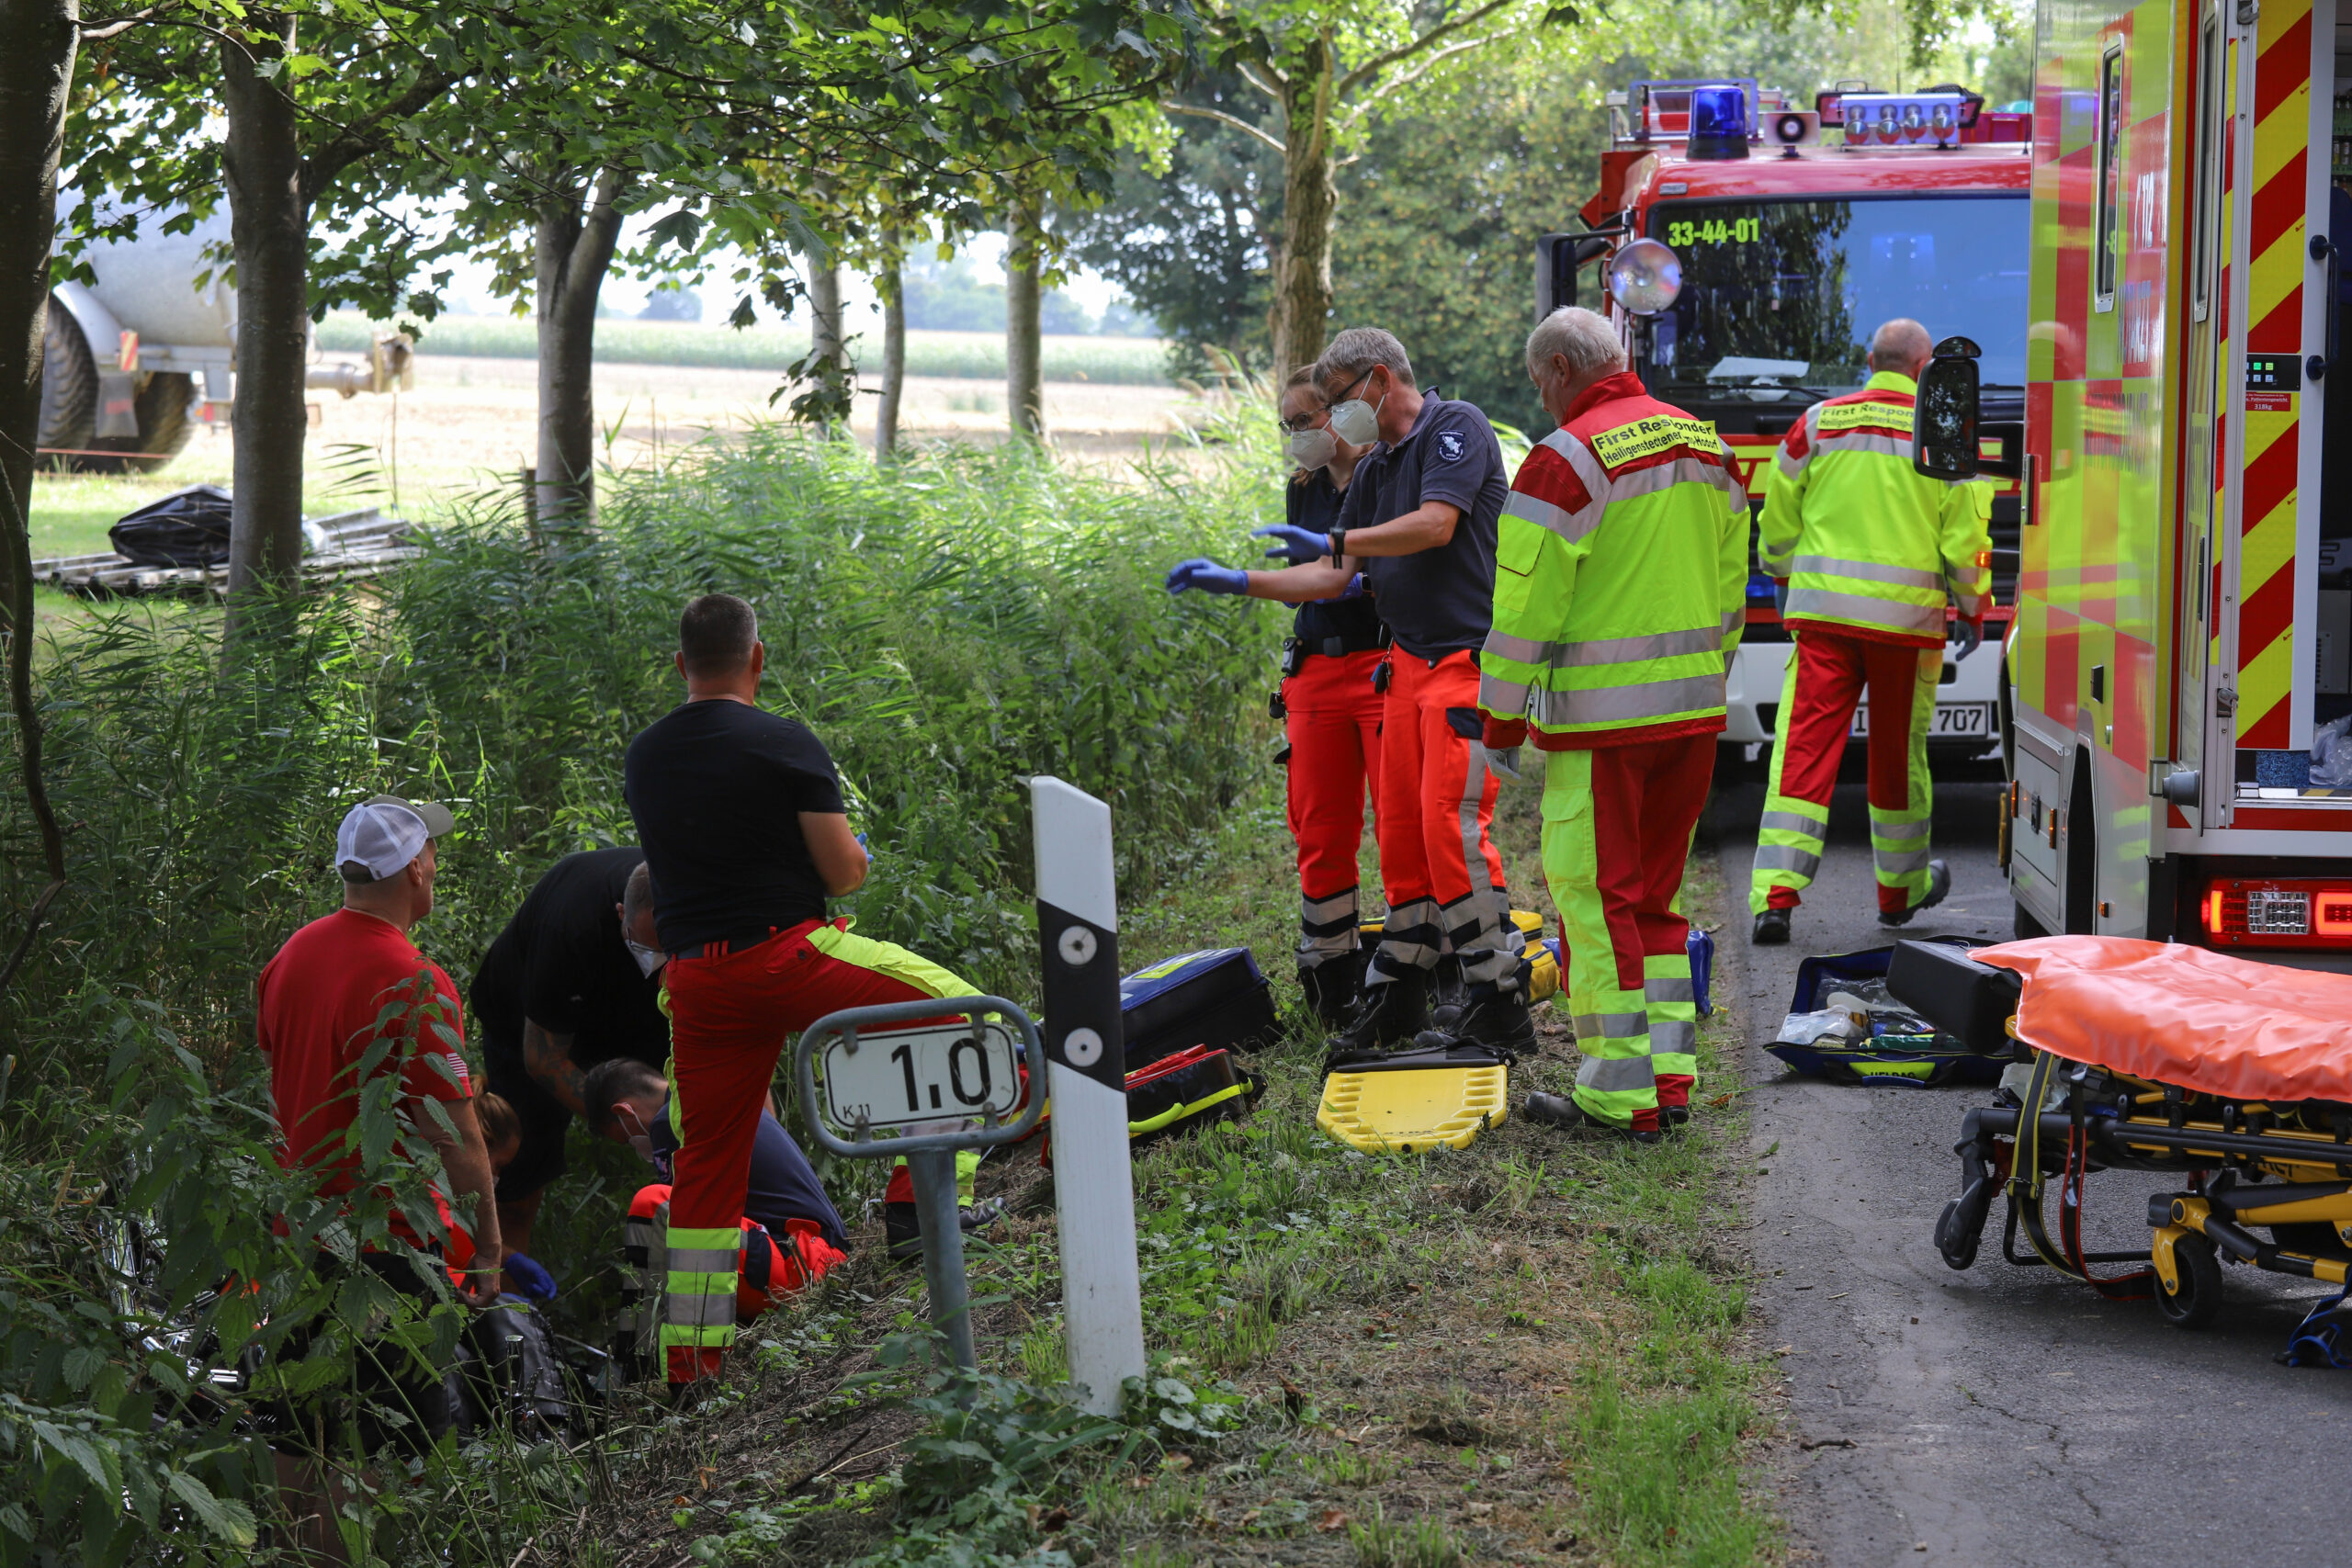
(2176, 678)
(1748, 248)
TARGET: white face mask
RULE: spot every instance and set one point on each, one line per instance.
(649, 959)
(1312, 448)
(1357, 422)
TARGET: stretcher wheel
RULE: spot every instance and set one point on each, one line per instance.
(2199, 1299)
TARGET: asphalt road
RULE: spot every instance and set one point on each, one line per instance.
(2000, 1416)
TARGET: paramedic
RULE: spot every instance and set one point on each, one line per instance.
(1419, 520)
(1620, 593)
(574, 980)
(1329, 709)
(792, 1234)
(1866, 546)
(741, 817)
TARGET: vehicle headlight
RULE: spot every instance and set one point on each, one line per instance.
(1644, 277)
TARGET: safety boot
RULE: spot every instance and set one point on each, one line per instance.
(1673, 1118)
(1772, 928)
(1387, 1014)
(1332, 990)
(1495, 1018)
(1938, 883)
(902, 1230)
(1562, 1110)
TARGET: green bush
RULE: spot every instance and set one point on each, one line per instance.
(1121, 362)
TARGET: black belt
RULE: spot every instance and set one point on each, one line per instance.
(1338, 647)
(726, 944)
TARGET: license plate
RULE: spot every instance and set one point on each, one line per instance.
(1952, 719)
(906, 1076)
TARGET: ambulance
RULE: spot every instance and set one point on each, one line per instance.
(2175, 687)
(1748, 262)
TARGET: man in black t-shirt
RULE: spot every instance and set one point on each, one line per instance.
(573, 980)
(1419, 522)
(741, 817)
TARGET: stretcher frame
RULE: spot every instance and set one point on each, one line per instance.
(2105, 1120)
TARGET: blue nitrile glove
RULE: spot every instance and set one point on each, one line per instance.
(535, 1283)
(1969, 635)
(1780, 597)
(1294, 543)
(1202, 573)
(1355, 590)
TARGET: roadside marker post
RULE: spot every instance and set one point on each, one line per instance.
(1094, 1194)
(943, 1087)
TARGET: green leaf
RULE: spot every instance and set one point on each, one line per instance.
(224, 1517)
(82, 1364)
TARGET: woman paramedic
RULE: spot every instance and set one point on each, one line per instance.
(1327, 701)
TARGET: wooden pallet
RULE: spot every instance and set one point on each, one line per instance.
(345, 547)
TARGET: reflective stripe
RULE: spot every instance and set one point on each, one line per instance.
(1338, 905)
(1614, 1075)
(1551, 518)
(1787, 857)
(1791, 822)
(1666, 476)
(1923, 619)
(1915, 828)
(1504, 699)
(1611, 1025)
(1673, 1037)
(1606, 650)
(1891, 863)
(1867, 571)
(1619, 704)
(696, 1260)
(1829, 442)
(1670, 989)
(1734, 620)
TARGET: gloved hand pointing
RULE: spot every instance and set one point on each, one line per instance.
(1969, 635)
(1294, 543)
(1202, 573)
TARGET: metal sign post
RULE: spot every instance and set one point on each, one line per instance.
(943, 1087)
(1094, 1195)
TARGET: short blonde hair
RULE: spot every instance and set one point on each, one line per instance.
(1584, 338)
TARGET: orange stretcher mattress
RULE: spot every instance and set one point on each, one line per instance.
(2180, 1015)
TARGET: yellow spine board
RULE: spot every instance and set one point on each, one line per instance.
(1408, 1111)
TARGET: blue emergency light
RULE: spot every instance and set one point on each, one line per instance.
(1718, 121)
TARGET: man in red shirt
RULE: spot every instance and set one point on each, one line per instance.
(323, 1012)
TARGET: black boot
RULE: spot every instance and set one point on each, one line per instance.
(902, 1232)
(1389, 1013)
(1939, 884)
(1332, 990)
(1561, 1110)
(1497, 1019)
(1772, 928)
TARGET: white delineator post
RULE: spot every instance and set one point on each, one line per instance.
(1095, 1193)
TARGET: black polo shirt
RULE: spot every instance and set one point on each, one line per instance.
(1438, 600)
(561, 962)
(1313, 503)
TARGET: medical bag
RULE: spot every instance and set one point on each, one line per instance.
(1215, 997)
(1844, 1025)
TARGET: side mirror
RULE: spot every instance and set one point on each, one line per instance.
(1943, 427)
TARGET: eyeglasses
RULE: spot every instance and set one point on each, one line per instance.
(1303, 422)
(1359, 381)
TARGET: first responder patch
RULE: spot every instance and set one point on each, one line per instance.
(1870, 413)
(1648, 437)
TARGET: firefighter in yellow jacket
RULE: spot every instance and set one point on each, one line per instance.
(1621, 576)
(1866, 548)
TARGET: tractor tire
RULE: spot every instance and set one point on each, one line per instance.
(69, 385)
(162, 408)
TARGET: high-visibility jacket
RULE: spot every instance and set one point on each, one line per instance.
(1868, 544)
(1621, 578)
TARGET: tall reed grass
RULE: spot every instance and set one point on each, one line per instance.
(948, 626)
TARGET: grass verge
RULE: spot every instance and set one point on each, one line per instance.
(1534, 1348)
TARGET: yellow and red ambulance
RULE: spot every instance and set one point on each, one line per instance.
(1788, 235)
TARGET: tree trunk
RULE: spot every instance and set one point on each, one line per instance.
(829, 364)
(575, 251)
(269, 232)
(892, 285)
(1302, 309)
(39, 37)
(1024, 387)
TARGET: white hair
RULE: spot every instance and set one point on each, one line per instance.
(1582, 337)
(1354, 352)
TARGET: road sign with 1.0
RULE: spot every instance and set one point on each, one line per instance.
(921, 1074)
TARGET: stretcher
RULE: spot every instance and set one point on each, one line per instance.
(2125, 1054)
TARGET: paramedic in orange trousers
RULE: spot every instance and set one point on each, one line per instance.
(1329, 707)
(1418, 522)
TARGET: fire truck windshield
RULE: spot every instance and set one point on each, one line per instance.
(1780, 295)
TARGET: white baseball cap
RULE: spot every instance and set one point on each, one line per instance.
(384, 833)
